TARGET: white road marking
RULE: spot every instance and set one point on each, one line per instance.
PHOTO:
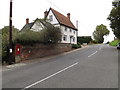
(50, 76)
(92, 54)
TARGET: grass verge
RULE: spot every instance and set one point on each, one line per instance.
(114, 43)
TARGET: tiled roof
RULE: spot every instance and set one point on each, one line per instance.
(27, 26)
(63, 19)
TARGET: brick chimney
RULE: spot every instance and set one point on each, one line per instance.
(27, 20)
(68, 15)
(45, 13)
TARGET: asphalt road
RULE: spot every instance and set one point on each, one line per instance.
(92, 67)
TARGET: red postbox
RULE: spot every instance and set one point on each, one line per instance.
(17, 49)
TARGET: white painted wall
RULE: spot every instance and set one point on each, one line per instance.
(37, 26)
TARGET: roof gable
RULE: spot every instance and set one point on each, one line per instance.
(63, 20)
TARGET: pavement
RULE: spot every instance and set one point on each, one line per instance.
(95, 66)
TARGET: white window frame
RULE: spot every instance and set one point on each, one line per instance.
(74, 32)
(65, 28)
(65, 38)
(70, 30)
(73, 39)
(51, 18)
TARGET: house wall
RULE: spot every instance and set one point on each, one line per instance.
(69, 32)
(37, 26)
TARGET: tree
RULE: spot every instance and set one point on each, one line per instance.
(100, 32)
(114, 18)
(4, 32)
(52, 34)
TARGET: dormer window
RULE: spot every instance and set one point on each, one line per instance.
(51, 18)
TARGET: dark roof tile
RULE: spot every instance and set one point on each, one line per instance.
(27, 26)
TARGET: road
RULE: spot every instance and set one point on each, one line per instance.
(95, 66)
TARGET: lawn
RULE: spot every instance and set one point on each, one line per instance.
(114, 43)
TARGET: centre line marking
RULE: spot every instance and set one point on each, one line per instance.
(92, 54)
(50, 76)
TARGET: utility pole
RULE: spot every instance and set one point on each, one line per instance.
(10, 35)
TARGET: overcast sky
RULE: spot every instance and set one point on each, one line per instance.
(89, 13)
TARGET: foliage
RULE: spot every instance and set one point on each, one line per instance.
(84, 39)
(100, 32)
(28, 37)
(0, 45)
(52, 34)
(4, 32)
(75, 46)
(114, 18)
(114, 43)
(94, 41)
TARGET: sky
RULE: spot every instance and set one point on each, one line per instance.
(89, 13)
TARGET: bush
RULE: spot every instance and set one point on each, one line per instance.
(4, 33)
(29, 37)
(75, 46)
(94, 41)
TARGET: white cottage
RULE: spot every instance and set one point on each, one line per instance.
(69, 31)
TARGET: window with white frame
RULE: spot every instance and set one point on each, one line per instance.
(73, 39)
(51, 18)
(65, 28)
(70, 30)
(65, 38)
(74, 32)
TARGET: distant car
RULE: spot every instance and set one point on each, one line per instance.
(118, 46)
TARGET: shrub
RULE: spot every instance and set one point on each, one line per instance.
(75, 46)
(29, 37)
(94, 41)
(4, 33)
